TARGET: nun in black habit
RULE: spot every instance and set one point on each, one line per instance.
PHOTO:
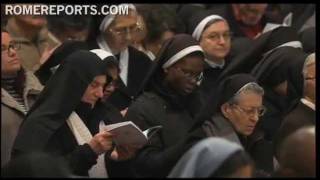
(106, 33)
(207, 29)
(219, 118)
(170, 100)
(272, 72)
(264, 44)
(61, 121)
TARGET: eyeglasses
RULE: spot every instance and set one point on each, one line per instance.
(12, 45)
(216, 36)
(310, 78)
(126, 30)
(190, 76)
(252, 111)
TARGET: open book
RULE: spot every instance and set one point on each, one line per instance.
(127, 133)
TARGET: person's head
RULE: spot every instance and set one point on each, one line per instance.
(213, 34)
(179, 65)
(102, 85)
(160, 24)
(118, 30)
(112, 81)
(249, 14)
(309, 75)
(242, 104)
(297, 154)
(67, 27)
(10, 62)
(214, 157)
(31, 21)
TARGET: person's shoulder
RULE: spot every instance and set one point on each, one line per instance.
(138, 54)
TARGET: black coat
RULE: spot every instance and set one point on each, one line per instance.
(164, 149)
(298, 117)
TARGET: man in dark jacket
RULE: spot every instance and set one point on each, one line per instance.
(304, 112)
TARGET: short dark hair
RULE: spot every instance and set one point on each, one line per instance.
(233, 163)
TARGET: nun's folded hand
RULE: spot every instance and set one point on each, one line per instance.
(122, 153)
(101, 142)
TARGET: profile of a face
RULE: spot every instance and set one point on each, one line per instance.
(10, 62)
(94, 90)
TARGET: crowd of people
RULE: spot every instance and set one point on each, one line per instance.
(233, 87)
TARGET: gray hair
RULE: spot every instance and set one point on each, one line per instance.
(310, 60)
(249, 87)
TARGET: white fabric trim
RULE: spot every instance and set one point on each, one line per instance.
(181, 54)
(295, 44)
(102, 54)
(200, 27)
(110, 17)
(308, 103)
(83, 135)
(215, 65)
(123, 59)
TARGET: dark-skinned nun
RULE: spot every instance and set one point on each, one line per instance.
(170, 100)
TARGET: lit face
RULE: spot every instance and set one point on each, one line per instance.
(10, 62)
(250, 14)
(310, 82)
(182, 76)
(112, 83)
(245, 114)
(243, 172)
(94, 91)
(216, 41)
(119, 35)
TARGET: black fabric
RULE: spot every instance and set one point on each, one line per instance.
(195, 19)
(298, 117)
(308, 39)
(139, 63)
(57, 57)
(273, 68)
(187, 11)
(224, 92)
(277, 106)
(45, 128)
(161, 105)
(264, 43)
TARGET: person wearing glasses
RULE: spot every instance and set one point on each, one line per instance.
(19, 89)
(114, 33)
(214, 35)
(169, 99)
(234, 114)
(303, 114)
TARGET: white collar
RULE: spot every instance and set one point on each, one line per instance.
(215, 65)
(308, 103)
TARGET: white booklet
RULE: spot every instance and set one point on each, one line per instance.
(127, 133)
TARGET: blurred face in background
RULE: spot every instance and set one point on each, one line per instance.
(249, 14)
(10, 62)
(119, 35)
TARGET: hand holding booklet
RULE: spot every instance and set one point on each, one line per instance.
(127, 133)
